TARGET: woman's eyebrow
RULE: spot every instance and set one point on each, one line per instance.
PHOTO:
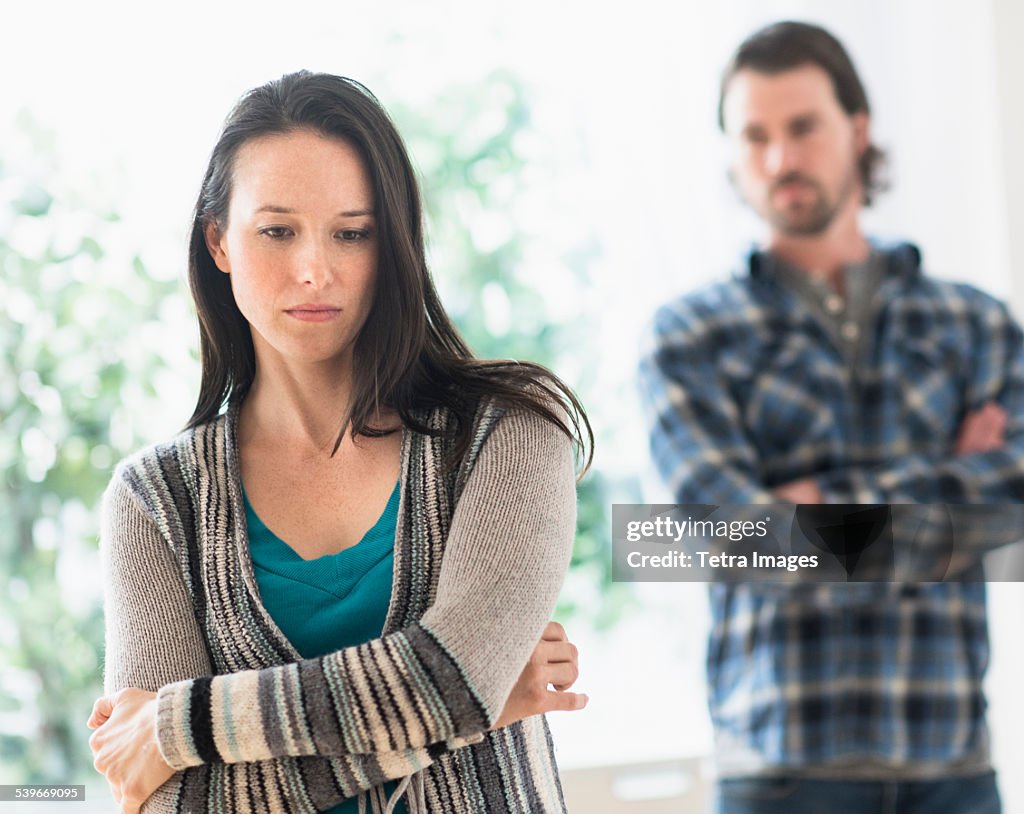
(284, 210)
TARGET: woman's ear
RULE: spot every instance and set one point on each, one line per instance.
(215, 245)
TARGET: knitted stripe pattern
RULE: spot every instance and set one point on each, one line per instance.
(263, 730)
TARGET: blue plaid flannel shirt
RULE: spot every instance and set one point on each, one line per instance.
(746, 391)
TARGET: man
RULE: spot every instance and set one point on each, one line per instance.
(832, 371)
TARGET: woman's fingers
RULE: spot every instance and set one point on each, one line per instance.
(566, 701)
(561, 676)
(556, 659)
(100, 712)
(554, 632)
(553, 663)
(551, 652)
(124, 747)
(98, 757)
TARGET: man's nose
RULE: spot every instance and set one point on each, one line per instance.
(782, 156)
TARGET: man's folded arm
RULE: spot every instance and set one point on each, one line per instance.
(696, 432)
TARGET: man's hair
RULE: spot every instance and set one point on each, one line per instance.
(786, 45)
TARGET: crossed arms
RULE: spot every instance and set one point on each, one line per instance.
(705, 454)
(448, 677)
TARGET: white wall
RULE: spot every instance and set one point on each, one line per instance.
(1006, 600)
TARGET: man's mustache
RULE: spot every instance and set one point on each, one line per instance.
(793, 178)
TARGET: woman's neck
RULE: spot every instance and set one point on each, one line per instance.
(300, 406)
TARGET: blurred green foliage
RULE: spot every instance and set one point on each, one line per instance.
(468, 145)
(85, 331)
(72, 300)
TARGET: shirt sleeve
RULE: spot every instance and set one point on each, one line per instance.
(435, 683)
(697, 438)
(996, 476)
(993, 479)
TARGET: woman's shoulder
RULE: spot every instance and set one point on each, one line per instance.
(526, 430)
(171, 465)
(522, 434)
(520, 422)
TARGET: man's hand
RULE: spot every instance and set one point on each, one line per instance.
(125, 749)
(804, 490)
(554, 661)
(982, 430)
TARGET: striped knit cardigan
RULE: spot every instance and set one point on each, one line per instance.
(480, 553)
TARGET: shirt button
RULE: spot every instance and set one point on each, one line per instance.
(849, 331)
(833, 303)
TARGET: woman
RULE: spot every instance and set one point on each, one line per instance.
(352, 405)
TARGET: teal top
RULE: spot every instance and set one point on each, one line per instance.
(335, 601)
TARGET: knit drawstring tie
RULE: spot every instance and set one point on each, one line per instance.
(412, 787)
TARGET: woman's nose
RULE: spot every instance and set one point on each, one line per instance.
(315, 265)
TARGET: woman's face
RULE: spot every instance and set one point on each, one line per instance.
(300, 246)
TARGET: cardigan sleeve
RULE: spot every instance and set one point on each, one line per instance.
(153, 639)
(151, 634)
(438, 682)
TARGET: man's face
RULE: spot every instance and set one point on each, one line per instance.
(794, 149)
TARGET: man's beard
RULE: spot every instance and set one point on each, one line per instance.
(811, 219)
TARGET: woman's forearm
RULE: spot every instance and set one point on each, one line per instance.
(437, 681)
(153, 639)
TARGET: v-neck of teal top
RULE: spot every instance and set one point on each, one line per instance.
(335, 601)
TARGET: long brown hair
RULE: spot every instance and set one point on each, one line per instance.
(408, 356)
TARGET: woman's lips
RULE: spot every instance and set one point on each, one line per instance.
(313, 313)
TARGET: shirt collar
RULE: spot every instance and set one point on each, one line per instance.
(902, 260)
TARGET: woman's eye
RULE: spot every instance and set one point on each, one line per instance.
(276, 232)
(352, 235)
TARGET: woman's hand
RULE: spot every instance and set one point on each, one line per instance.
(554, 661)
(125, 749)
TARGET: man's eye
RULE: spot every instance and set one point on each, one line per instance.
(802, 128)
